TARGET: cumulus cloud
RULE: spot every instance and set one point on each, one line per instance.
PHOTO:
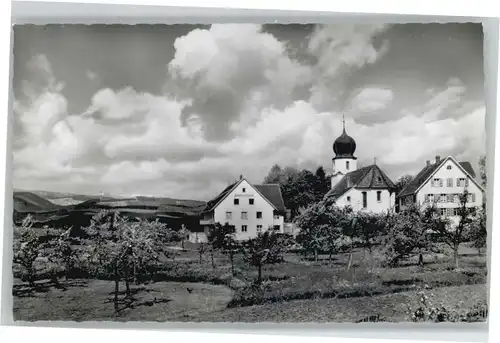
(226, 67)
(236, 109)
(370, 99)
(340, 50)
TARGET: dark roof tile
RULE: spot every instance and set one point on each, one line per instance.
(426, 172)
(370, 177)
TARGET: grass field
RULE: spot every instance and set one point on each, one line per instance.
(295, 290)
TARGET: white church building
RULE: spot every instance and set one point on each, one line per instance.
(364, 189)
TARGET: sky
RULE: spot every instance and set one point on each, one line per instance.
(181, 111)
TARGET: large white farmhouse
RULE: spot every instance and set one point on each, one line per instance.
(249, 208)
(441, 183)
(365, 189)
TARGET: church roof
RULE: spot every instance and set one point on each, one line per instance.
(370, 177)
(271, 192)
(427, 171)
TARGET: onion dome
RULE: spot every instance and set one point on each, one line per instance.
(344, 146)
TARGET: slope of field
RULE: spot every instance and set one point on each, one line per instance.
(31, 202)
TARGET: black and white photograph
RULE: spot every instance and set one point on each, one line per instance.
(252, 173)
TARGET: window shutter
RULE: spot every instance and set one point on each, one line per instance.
(458, 182)
(440, 182)
(473, 197)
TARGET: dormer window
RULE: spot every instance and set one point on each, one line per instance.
(448, 167)
(244, 190)
(347, 165)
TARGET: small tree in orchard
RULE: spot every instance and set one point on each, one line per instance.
(261, 250)
(408, 234)
(371, 227)
(217, 238)
(454, 234)
(350, 230)
(63, 252)
(315, 224)
(201, 250)
(230, 247)
(478, 232)
(108, 249)
(27, 247)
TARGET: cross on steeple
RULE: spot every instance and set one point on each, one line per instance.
(375, 160)
(343, 123)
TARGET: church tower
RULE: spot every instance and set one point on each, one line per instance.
(344, 161)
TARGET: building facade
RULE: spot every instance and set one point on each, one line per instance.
(364, 189)
(441, 183)
(251, 209)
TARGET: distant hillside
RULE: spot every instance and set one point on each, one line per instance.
(31, 202)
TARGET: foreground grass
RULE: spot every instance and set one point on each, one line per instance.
(84, 300)
(295, 290)
(389, 308)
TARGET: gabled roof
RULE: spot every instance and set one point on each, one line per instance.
(428, 171)
(370, 177)
(212, 204)
(270, 192)
(273, 193)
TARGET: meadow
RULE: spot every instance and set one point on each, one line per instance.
(297, 289)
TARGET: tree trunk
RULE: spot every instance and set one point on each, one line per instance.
(259, 277)
(330, 256)
(349, 262)
(127, 283)
(420, 259)
(455, 256)
(201, 255)
(231, 257)
(182, 244)
(31, 276)
(117, 284)
(315, 255)
(136, 279)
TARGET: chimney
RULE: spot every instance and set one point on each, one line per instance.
(428, 163)
(438, 159)
(241, 177)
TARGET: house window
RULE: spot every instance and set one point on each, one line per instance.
(250, 201)
(347, 165)
(449, 167)
(429, 197)
(229, 215)
(379, 196)
(442, 211)
(456, 212)
(473, 197)
(349, 199)
(449, 212)
(442, 198)
(259, 228)
(449, 198)
(462, 182)
(244, 215)
(244, 190)
(365, 200)
(236, 201)
(259, 215)
(437, 183)
(276, 227)
(244, 228)
(449, 182)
